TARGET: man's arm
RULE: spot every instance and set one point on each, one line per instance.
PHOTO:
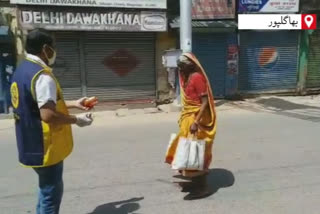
(49, 114)
(71, 104)
(46, 94)
(78, 104)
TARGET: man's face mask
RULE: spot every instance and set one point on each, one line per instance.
(52, 59)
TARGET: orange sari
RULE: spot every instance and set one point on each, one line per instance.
(207, 123)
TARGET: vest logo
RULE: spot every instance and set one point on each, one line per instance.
(14, 95)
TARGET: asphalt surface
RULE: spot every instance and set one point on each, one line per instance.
(263, 163)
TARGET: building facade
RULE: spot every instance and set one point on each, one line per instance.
(269, 60)
(113, 49)
(310, 51)
(7, 54)
(106, 48)
(214, 42)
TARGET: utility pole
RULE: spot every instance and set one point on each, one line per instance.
(185, 25)
(185, 34)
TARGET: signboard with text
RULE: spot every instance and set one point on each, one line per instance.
(92, 21)
(154, 4)
(213, 9)
(277, 21)
(268, 6)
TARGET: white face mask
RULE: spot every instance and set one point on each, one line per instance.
(51, 60)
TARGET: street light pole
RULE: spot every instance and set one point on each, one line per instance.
(185, 25)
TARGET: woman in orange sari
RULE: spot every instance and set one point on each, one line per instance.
(198, 118)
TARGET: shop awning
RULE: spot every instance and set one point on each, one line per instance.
(6, 37)
(4, 30)
(207, 24)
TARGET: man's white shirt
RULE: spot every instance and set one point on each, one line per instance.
(45, 86)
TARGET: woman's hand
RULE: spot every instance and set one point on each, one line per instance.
(194, 128)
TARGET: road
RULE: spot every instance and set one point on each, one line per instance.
(264, 163)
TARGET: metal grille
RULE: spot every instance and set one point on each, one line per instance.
(120, 66)
(67, 66)
(313, 77)
(268, 61)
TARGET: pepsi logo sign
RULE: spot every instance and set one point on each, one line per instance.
(268, 57)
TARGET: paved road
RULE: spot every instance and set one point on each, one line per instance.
(264, 163)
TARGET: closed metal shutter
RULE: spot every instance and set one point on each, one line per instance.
(67, 66)
(211, 50)
(313, 77)
(268, 61)
(120, 66)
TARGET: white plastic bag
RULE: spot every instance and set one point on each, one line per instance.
(180, 160)
(189, 154)
(196, 155)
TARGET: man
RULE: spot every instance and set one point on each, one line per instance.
(42, 120)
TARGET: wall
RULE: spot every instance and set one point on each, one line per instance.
(165, 41)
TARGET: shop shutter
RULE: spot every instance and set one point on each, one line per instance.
(268, 61)
(67, 66)
(120, 66)
(211, 50)
(313, 77)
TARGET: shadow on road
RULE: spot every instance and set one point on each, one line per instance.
(217, 179)
(220, 103)
(282, 105)
(289, 109)
(220, 178)
(119, 207)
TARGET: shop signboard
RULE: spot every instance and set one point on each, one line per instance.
(213, 9)
(268, 6)
(153, 4)
(79, 20)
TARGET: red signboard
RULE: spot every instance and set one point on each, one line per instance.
(121, 62)
(233, 52)
(213, 9)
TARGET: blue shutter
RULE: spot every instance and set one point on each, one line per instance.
(211, 50)
(268, 61)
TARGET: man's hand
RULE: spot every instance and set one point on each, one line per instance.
(79, 104)
(84, 120)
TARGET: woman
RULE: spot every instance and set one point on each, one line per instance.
(198, 118)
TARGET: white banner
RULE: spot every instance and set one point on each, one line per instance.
(268, 6)
(93, 21)
(277, 21)
(154, 4)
